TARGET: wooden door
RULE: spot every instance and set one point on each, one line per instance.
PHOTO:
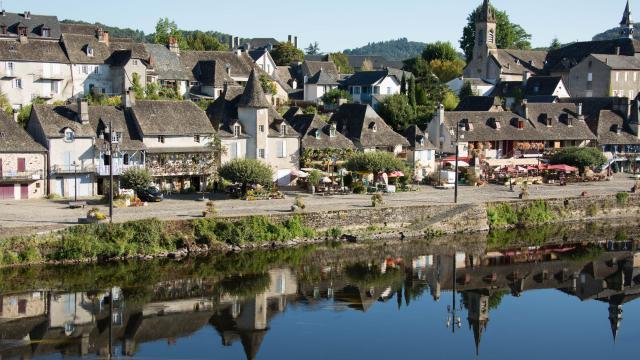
(24, 191)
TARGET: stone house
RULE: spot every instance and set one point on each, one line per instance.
(421, 153)
(367, 130)
(166, 69)
(75, 136)
(601, 75)
(178, 141)
(249, 127)
(22, 163)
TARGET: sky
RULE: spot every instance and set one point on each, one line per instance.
(340, 24)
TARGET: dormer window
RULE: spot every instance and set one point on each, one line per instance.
(283, 129)
(317, 134)
(4, 29)
(373, 126)
(521, 124)
(196, 138)
(89, 51)
(22, 31)
(69, 135)
(332, 131)
(237, 130)
(421, 141)
(45, 32)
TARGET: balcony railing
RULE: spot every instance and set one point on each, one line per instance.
(70, 169)
(16, 176)
(40, 75)
(118, 169)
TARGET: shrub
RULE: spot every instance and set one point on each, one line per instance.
(536, 213)
(299, 202)
(622, 198)
(502, 215)
(314, 177)
(247, 171)
(334, 233)
(579, 157)
(375, 162)
(204, 231)
(359, 188)
(135, 179)
(377, 200)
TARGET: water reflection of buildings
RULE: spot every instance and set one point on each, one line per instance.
(77, 324)
(83, 323)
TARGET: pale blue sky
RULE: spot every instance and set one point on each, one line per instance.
(340, 24)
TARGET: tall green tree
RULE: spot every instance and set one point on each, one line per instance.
(465, 91)
(247, 172)
(201, 41)
(555, 44)
(397, 112)
(166, 28)
(403, 85)
(440, 50)
(135, 179)
(509, 35)
(286, 53)
(342, 62)
(313, 49)
(412, 94)
(447, 70)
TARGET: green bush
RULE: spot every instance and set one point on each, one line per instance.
(334, 233)
(502, 215)
(622, 198)
(536, 213)
(579, 157)
(359, 188)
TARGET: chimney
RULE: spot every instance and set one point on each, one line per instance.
(580, 112)
(4, 12)
(231, 42)
(27, 15)
(83, 111)
(634, 119)
(525, 77)
(290, 39)
(23, 39)
(103, 36)
(617, 49)
(174, 47)
(128, 99)
(525, 109)
(236, 42)
(295, 42)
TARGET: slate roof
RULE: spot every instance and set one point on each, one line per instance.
(260, 43)
(356, 122)
(172, 118)
(399, 72)
(311, 68)
(561, 115)
(256, 54)
(518, 61)
(322, 77)
(478, 103)
(55, 119)
(166, 64)
(606, 126)
(34, 25)
(213, 73)
(240, 65)
(365, 78)
(619, 62)
(563, 59)
(484, 126)
(542, 85)
(414, 134)
(310, 124)
(38, 51)
(76, 49)
(506, 88)
(79, 29)
(253, 95)
(14, 139)
(223, 114)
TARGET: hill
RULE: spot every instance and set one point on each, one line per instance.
(394, 50)
(614, 33)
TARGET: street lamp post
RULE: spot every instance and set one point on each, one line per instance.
(75, 181)
(457, 135)
(109, 149)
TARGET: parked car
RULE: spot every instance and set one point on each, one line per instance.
(150, 195)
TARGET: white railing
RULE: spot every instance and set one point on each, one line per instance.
(118, 169)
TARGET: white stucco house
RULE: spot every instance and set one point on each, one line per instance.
(364, 85)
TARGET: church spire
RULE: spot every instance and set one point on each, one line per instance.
(626, 24)
(486, 13)
(615, 318)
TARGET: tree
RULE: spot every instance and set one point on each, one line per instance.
(166, 28)
(555, 44)
(450, 101)
(375, 162)
(333, 96)
(342, 63)
(136, 86)
(508, 34)
(447, 70)
(313, 49)
(466, 91)
(268, 85)
(412, 93)
(247, 172)
(5, 105)
(367, 65)
(403, 84)
(136, 179)
(440, 50)
(286, 53)
(396, 111)
(579, 157)
(201, 41)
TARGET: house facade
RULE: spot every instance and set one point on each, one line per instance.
(23, 163)
(421, 153)
(249, 127)
(365, 84)
(601, 75)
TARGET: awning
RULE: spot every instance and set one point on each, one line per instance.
(299, 173)
(565, 168)
(460, 163)
(511, 162)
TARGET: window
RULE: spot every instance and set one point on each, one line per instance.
(237, 130)
(96, 70)
(55, 87)
(46, 32)
(590, 77)
(317, 134)
(22, 307)
(161, 139)
(480, 37)
(69, 135)
(196, 138)
(17, 83)
(22, 31)
(85, 69)
(135, 62)
(635, 76)
(11, 67)
(626, 76)
(356, 90)
(260, 153)
(261, 128)
(332, 130)
(491, 36)
(89, 51)
(617, 76)
(106, 159)
(373, 127)
(389, 90)
(125, 159)
(282, 153)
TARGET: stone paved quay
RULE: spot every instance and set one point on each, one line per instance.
(32, 216)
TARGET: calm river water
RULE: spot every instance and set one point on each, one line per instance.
(479, 299)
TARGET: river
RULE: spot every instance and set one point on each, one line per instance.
(484, 297)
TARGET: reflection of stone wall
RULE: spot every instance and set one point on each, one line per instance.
(169, 164)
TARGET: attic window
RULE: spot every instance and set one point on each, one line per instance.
(521, 124)
(373, 126)
(616, 129)
(237, 130)
(317, 134)
(22, 31)
(89, 51)
(421, 141)
(69, 135)
(45, 32)
(332, 130)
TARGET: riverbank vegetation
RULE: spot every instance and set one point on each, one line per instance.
(535, 213)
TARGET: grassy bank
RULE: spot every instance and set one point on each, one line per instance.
(146, 237)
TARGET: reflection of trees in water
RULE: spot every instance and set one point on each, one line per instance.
(244, 286)
(365, 276)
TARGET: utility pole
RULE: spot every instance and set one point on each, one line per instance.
(110, 172)
(75, 182)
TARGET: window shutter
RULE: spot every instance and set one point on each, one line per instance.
(234, 150)
(283, 149)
